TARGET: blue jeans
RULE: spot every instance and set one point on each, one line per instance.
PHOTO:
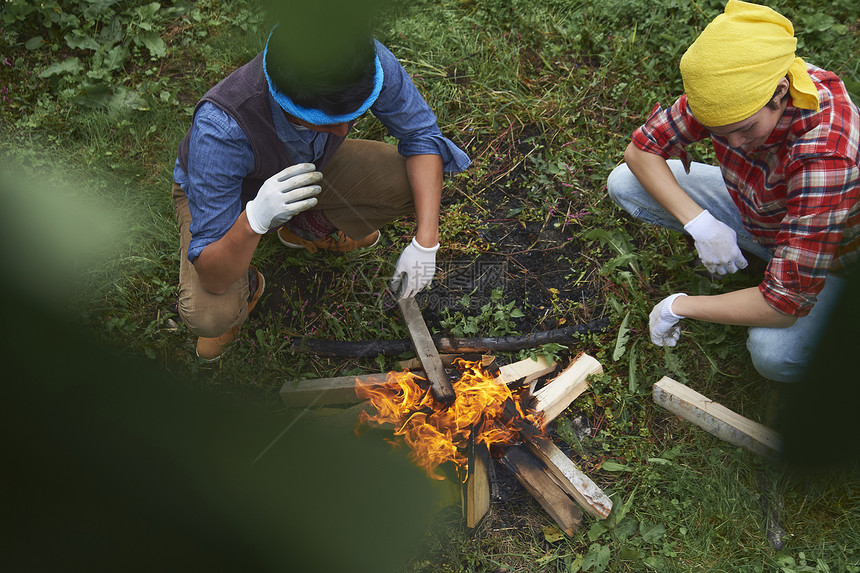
(780, 354)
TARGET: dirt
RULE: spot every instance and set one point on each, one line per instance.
(535, 260)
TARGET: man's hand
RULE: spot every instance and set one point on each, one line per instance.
(664, 323)
(716, 243)
(414, 270)
(282, 196)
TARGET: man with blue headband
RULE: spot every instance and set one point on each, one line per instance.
(268, 152)
(786, 188)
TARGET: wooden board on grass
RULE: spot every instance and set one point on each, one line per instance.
(715, 418)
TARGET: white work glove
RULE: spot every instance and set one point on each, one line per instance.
(282, 196)
(414, 270)
(665, 330)
(717, 244)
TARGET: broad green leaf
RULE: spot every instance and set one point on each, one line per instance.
(112, 33)
(596, 530)
(652, 533)
(115, 58)
(34, 43)
(621, 340)
(77, 40)
(624, 508)
(552, 533)
(611, 466)
(590, 558)
(68, 66)
(153, 42)
(148, 11)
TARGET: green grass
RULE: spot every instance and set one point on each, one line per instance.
(544, 96)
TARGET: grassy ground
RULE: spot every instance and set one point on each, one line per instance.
(543, 96)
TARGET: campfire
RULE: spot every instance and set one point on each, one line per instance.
(487, 411)
(492, 414)
(484, 411)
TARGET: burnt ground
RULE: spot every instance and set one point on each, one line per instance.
(512, 234)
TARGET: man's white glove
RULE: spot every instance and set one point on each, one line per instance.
(414, 270)
(717, 244)
(665, 330)
(282, 196)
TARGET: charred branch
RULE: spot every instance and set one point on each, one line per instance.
(371, 348)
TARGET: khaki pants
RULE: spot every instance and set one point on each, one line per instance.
(364, 187)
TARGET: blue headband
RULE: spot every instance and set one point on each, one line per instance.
(317, 116)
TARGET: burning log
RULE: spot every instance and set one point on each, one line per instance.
(544, 489)
(341, 390)
(486, 414)
(438, 432)
(426, 351)
(476, 490)
(371, 348)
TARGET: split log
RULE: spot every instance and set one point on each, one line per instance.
(426, 351)
(325, 391)
(476, 490)
(341, 390)
(448, 360)
(561, 391)
(526, 370)
(715, 418)
(570, 478)
(561, 469)
(371, 348)
(533, 476)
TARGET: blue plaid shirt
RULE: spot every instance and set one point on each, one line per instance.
(222, 156)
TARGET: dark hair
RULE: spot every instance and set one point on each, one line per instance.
(336, 86)
(772, 103)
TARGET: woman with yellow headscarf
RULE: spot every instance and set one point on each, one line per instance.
(786, 188)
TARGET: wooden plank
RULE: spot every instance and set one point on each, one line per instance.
(561, 391)
(447, 360)
(532, 474)
(341, 390)
(325, 391)
(476, 490)
(426, 350)
(527, 369)
(570, 478)
(715, 418)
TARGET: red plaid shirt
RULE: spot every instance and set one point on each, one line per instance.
(797, 194)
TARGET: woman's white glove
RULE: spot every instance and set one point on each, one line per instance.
(716, 243)
(282, 196)
(665, 330)
(414, 270)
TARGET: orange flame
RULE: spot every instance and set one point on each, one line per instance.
(439, 433)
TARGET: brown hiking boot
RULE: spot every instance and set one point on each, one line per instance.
(337, 242)
(210, 349)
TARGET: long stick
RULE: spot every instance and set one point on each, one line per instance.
(370, 348)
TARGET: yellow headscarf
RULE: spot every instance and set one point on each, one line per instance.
(732, 69)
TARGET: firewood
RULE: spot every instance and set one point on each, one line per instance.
(533, 476)
(426, 351)
(341, 390)
(527, 369)
(447, 360)
(561, 391)
(325, 391)
(570, 478)
(476, 490)
(372, 348)
(715, 418)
